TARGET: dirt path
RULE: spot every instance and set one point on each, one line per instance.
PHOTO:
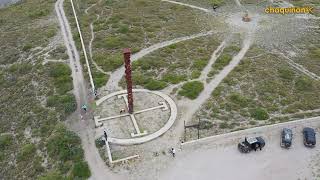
(90, 47)
(92, 39)
(214, 56)
(115, 77)
(298, 66)
(189, 5)
(83, 47)
(85, 128)
(192, 106)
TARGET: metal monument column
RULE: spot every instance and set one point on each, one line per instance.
(127, 63)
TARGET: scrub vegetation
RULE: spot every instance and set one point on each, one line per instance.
(136, 24)
(174, 64)
(35, 97)
(261, 90)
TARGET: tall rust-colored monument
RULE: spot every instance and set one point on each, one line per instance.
(127, 63)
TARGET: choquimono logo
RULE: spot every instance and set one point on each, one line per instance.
(289, 10)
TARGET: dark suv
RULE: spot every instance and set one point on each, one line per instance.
(286, 138)
(309, 137)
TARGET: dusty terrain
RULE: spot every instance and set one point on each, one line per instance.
(218, 158)
(155, 162)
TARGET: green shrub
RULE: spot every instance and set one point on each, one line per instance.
(27, 47)
(155, 85)
(123, 29)
(195, 74)
(36, 13)
(52, 175)
(81, 170)
(139, 79)
(222, 61)
(99, 143)
(63, 84)
(216, 2)
(223, 125)
(64, 145)
(109, 62)
(58, 70)
(259, 114)
(65, 103)
(20, 68)
(5, 141)
(50, 33)
(315, 53)
(191, 89)
(100, 79)
(199, 64)
(232, 49)
(217, 92)
(173, 78)
(212, 72)
(286, 73)
(26, 152)
(304, 84)
(238, 99)
(113, 42)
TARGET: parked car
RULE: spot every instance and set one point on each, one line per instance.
(252, 143)
(309, 137)
(286, 138)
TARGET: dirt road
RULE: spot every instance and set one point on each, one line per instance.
(84, 128)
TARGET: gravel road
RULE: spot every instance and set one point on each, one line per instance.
(219, 158)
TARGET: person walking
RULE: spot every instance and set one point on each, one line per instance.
(84, 107)
(105, 135)
(173, 151)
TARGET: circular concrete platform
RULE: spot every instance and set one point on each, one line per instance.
(144, 137)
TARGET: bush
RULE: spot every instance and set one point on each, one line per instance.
(52, 175)
(222, 61)
(199, 64)
(217, 92)
(303, 84)
(100, 143)
(195, 74)
(58, 70)
(123, 29)
(216, 2)
(173, 78)
(81, 170)
(259, 114)
(191, 89)
(223, 125)
(64, 145)
(286, 73)
(66, 103)
(100, 79)
(27, 47)
(5, 141)
(38, 13)
(113, 42)
(238, 99)
(109, 62)
(26, 152)
(155, 85)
